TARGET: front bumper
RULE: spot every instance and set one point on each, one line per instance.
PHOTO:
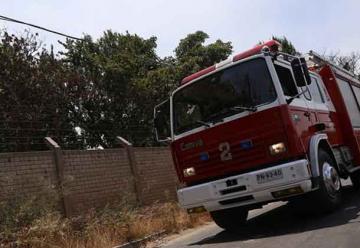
(245, 189)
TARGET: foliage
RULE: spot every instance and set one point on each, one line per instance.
(21, 211)
(91, 91)
(112, 66)
(38, 95)
(349, 62)
(193, 55)
(287, 46)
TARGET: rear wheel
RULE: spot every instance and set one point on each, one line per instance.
(328, 197)
(230, 219)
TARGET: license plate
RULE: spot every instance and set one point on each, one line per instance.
(269, 176)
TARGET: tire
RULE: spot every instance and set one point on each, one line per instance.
(328, 197)
(230, 219)
(355, 179)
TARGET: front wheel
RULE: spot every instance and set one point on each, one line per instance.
(329, 195)
(230, 219)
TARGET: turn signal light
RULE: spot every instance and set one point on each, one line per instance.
(188, 172)
(277, 148)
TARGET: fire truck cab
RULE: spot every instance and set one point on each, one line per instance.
(262, 126)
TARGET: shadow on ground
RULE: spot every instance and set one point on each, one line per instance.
(283, 220)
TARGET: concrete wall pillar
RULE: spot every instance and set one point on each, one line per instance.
(133, 166)
(59, 164)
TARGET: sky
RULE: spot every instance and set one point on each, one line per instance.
(319, 25)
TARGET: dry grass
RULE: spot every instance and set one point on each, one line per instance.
(27, 226)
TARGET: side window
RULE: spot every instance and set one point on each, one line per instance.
(286, 80)
(315, 91)
(307, 93)
(324, 90)
(356, 92)
(350, 102)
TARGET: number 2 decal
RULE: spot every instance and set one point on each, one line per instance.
(225, 154)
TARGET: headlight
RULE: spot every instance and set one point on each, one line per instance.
(277, 148)
(188, 172)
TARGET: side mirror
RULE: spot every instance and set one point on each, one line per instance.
(162, 122)
(301, 72)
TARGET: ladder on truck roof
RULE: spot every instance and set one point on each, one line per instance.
(315, 59)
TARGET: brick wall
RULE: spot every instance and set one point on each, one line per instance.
(157, 174)
(91, 178)
(26, 173)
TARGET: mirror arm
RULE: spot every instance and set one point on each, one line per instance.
(288, 101)
(166, 141)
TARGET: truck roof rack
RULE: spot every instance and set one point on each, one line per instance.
(317, 59)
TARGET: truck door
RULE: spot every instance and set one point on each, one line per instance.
(299, 110)
(320, 108)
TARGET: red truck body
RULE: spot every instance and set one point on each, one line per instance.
(261, 135)
(295, 144)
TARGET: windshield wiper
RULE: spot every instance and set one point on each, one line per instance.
(203, 123)
(243, 108)
(219, 117)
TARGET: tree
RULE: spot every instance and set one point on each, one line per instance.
(93, 90)
(287, 46)
(112, 66)
(192, 55)
(36, 95)
(129, 79)
(349, 62)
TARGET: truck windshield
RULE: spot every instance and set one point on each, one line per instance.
(236, 89)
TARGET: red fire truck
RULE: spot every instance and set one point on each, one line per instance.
(262, 126)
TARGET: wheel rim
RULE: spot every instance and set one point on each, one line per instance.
(331, 179)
